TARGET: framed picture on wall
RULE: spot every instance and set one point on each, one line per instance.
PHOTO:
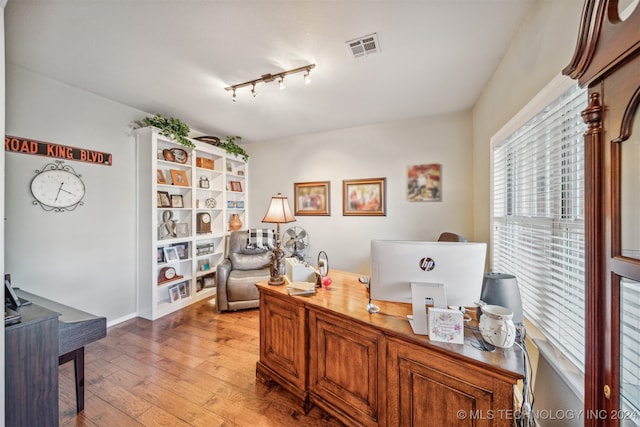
(424, 183)
(364, 197)
(311, 198)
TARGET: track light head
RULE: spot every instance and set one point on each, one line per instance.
(267, 78)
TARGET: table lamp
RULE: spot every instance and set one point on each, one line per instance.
(278, 213)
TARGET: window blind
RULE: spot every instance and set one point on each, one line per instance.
(538, 219)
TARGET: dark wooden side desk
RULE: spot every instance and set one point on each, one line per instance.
(73, 330)
(371, 369)
(31, 368)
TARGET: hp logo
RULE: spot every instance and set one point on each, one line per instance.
(427, 264)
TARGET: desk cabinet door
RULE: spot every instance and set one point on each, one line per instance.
(432, 390)
(343, 368)
(283, 343)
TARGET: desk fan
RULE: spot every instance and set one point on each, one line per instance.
(296, 242)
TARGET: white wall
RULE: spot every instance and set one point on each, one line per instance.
(381, 150)
(84, 258)
(539, 52)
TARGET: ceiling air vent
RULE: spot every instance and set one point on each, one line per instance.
(363, 46)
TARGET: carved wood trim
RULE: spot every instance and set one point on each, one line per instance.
(627, 118)
(604, 40)
(587, 38)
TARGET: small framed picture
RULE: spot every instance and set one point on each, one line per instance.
(183, 250)
(311, 198)
(229, 167)
(184, 290)
(179, 177)
(163, 199)
(235, 186)
(174, 293)
(239, 204)
(364, 197)
(231, 204)
(171, 254)
(161, 179)
(182, 229)
(160, 257)
(240, 172)
(176, 201)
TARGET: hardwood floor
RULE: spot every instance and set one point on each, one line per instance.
(191, 368)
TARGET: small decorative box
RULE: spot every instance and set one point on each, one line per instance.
(203, 162)
(446, 325)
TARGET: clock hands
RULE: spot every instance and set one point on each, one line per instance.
(61, 189)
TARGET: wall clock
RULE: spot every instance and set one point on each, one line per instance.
(57, 187)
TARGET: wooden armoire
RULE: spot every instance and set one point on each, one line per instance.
(607, 61)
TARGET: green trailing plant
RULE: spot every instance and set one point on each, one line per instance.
(230, 146)
(171, 127)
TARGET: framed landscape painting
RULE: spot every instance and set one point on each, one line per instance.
(311, 198)
(364, 197)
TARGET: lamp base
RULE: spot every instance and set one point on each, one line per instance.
(276, 281)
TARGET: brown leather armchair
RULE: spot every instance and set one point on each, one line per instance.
(237, 275)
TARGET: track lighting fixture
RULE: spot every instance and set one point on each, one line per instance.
(267, 78)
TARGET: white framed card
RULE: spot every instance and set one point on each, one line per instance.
(446, 325)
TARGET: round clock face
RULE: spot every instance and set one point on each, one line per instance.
(170, 273)
(206, 218)
(57, 188)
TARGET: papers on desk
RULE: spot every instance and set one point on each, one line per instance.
(301, 288)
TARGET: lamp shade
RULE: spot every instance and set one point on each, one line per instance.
(279, 211)
(502, 289)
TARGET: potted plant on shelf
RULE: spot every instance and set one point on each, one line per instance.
(230, 146)
(171, 127)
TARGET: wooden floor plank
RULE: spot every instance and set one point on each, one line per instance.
(194, 367)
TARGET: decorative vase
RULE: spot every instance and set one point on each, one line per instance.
(496, 326)
(235, 223)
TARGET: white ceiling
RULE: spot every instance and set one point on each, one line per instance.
(176, 57)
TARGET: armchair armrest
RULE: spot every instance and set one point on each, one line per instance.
(222, 274)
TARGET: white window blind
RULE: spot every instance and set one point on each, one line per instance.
(538, 219)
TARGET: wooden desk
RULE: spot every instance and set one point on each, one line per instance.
(49, 335)
(31, 368)
(370, 369)
(76, 329)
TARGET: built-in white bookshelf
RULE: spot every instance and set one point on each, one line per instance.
(185, 198)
